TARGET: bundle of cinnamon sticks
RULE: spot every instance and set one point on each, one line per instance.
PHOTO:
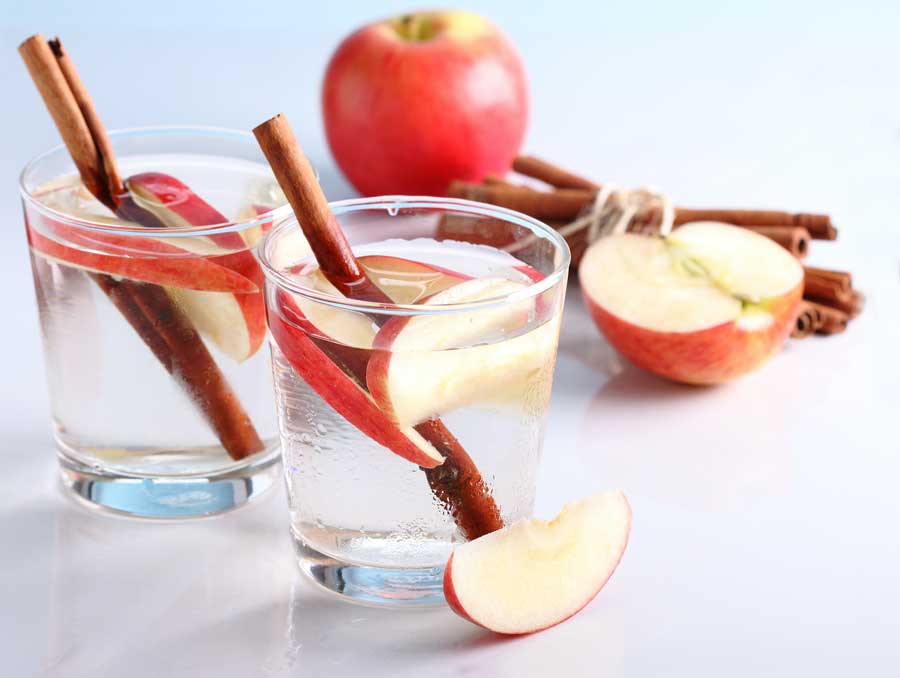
(829, 300)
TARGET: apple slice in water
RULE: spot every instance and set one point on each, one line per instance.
(293, 333)
(235, 323)
(327, 345)
(706, 304)
(161, 264)
(537, 573)
(403, 280)
(425, 366)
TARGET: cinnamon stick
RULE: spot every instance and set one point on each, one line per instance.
(161, 325)
(560, 205)
(533, 167)
(495, 180)
(795, 239)
(834, 321)
(809, 319)
(66, 114)
(852, 306)
(832, 287)
(322, 231)
(818, 225)
(565, 205)
(457, 482)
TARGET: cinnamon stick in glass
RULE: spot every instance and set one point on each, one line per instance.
(457, 482)
(162, 326)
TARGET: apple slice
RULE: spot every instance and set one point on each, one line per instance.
(236, 323)
(425, 366)
(317, 334)
(537, 573)
(705, 305)
(161, 263)
(292, 332)
(405, 281)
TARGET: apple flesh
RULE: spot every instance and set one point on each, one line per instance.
(235, 323)
(704, 305)
(413, 102)
(425, 366)
(535, 574)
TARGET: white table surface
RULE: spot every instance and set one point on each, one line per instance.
(766, 512)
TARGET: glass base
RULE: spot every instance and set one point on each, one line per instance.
(175, 497)
(369, 585)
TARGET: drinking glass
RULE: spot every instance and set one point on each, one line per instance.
(407, 428)
(160, 394)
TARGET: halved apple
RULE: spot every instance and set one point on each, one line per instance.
(425, 366)
(704, 305)
(236, 323)
(536, 573)
(293, 333)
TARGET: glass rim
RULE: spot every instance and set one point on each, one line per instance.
(385, 202)
(142, 231)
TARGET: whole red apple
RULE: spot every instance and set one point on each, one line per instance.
(413, 102)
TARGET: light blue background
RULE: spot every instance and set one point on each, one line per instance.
(782, 486)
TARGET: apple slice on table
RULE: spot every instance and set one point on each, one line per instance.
(536, 573)
(704, 305)
(236, 323)
(293, 333)
(425, 366)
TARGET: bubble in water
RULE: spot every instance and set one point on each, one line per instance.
(321, 429)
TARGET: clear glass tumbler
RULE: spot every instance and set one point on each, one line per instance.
(161, 399)
(407, 428)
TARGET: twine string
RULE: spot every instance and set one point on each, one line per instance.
(612, 212)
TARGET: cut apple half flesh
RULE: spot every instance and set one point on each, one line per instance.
(703, 305)
(536, 573)
(235, 323)
(291, 332)
(425, 366)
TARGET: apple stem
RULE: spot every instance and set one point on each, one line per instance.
(415, 27)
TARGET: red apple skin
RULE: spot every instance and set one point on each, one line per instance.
(450, 593)
(380, 363)
(710, 356)
(408, 117)
(180, 199)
